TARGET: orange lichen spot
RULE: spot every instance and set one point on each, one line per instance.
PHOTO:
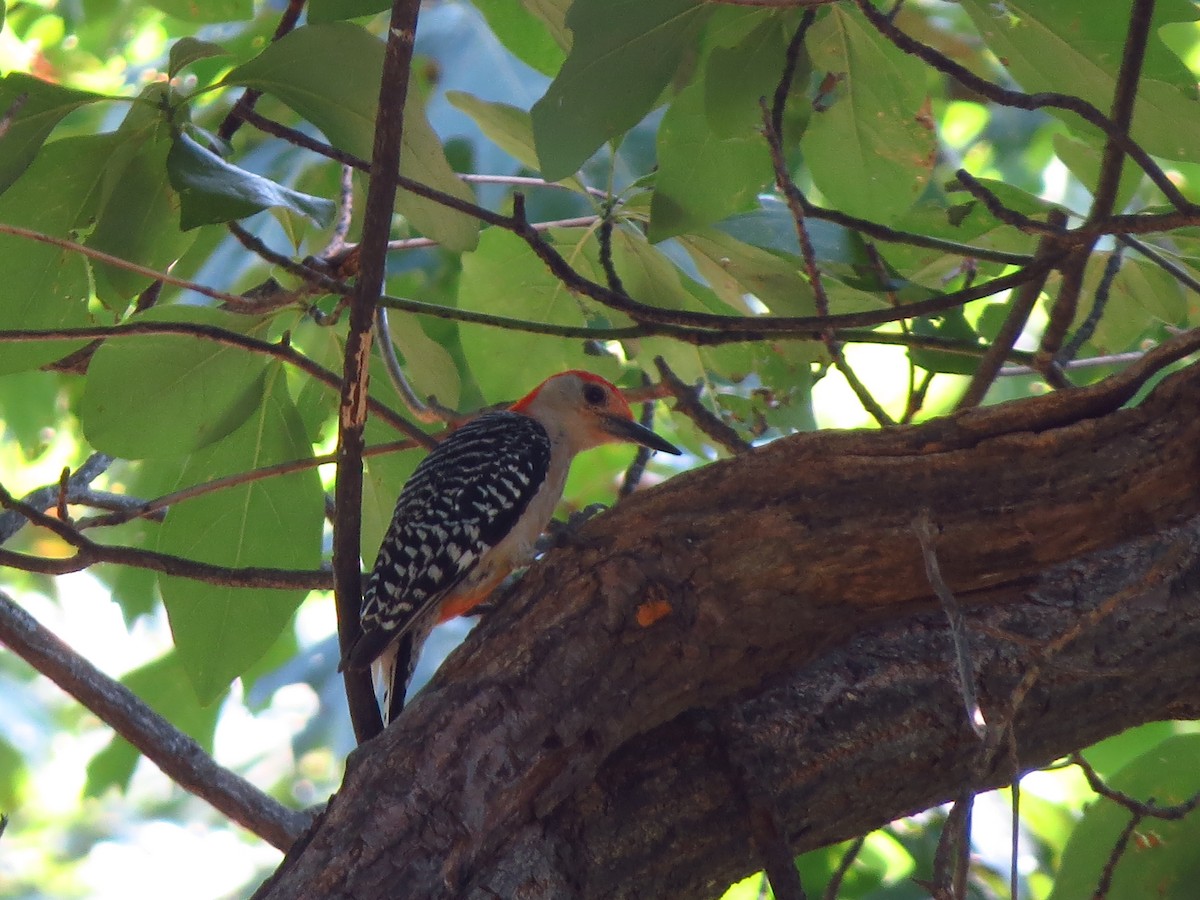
(651, 611)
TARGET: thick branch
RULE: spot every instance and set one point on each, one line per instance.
(775, 568)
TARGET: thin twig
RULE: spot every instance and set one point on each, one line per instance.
(245, 103)
(179, 757)
(763, 818)
(834, 888)
(924, 529)
(88, 553)
(1104, 882)
(951, 860)
(144, 508)
(1121, 114)
(1180, 274)
(687, 401)
(421, 410)
(637, 468)
(1021, 100)
(43, 498)
(281, 350)
(1021, 306)
(773, 132)
(1084, 333)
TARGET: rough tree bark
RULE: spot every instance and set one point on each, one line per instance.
(569, 749)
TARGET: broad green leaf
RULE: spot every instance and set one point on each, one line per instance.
(28, 410)
(214, 191)
(163, 686)
(42, 106)
(167, 395)
(651, 278)
(220, 632)
(952, 324)
(737, 77)
(508, 127)
(335, 10)
(525, 35)
(623, 56)
(869, 150)
(773, 228)
(553, 14)
(45, 287)
(208, 11)
(430, 368)
(1083, 159)
(734, 269)
(139, 221)
(188, 50)
(703, 178)
(1059, 45)
(503, 278)
(329, 74)
(1161, 860)
(1140, 299)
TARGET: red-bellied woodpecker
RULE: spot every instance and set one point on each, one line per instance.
(471, 513)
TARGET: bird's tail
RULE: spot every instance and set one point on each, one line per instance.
(391, 673)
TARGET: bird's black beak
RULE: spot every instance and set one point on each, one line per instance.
(628, 430)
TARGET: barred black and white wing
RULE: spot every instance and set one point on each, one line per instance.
(461, 501)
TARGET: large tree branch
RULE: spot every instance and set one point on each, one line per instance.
(745, 581)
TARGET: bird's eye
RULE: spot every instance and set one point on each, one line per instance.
(595, 395)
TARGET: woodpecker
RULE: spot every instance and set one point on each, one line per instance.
(471, 513)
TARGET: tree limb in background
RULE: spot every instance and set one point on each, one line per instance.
(179, 757)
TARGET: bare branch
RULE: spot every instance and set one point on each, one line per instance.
(89, 553)
(179, 757)
(352, 414)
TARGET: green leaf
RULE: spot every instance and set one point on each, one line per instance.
(42, 106)
(220, 632)
(208, 11)
(429, 366)
(737, 77)
(167, 395)
(28, 412)
(140, 218)
(503, 278)
(329, 74)
(1165, 864)
(164, 687)
(703, 178)
(623, 56)
(525, 35)
(734, 269)
(188, 50)
(213, 191)
(773, 228)
(508, 127)
(1140, 299)
(1057, 45)
(45, 287)
(868, 150)
(953, 325)
(335, 10)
